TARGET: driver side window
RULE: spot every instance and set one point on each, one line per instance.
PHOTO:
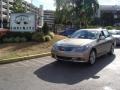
(102, 34)
(106, 33)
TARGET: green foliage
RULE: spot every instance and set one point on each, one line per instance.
(17, 7)
(8, 40)
(75, 11)
(14, 40)
(117, 27)
(38, 37)
(45, 28)
(23, 39)
(26, 35)
(93, 27)
(51, 34)
(17, 39)
(47, 38)
(109, 27)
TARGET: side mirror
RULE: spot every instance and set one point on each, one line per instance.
(101, 38)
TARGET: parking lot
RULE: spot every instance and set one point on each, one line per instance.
(46, 74)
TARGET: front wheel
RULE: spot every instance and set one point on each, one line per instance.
(111, 50)
(92, 57)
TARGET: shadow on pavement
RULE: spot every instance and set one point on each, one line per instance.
(72, 73)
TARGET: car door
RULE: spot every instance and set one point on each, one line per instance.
(101, 44)
(108, 40)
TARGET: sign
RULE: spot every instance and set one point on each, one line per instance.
(22, 22)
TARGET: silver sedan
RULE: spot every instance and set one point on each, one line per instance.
(84, 45)
(116, 35)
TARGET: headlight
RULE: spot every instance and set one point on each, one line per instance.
(54, 47)
(81, 49)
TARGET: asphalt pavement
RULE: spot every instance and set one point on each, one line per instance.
(47, 74)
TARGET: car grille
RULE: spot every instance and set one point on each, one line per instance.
(61, 48)
(69, 59)
(64, 58)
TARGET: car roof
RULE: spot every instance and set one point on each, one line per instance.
(94, 29)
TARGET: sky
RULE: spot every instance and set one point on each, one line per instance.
(50, 4)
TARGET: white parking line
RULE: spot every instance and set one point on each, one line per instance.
(108, 88)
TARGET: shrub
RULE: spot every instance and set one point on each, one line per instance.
(5, 40)
(14, 40)
(27, 35)
(47, 38)
(109, 27)
(38, 37)
(51, 34)
(93, 26)
(117, 27)
(23, 39)
(17, 39)
(11, 40)
(45, 28)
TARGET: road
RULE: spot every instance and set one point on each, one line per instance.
(46, 74)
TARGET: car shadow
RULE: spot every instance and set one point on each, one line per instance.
(72, 73)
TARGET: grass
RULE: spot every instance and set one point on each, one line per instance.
(14, 50)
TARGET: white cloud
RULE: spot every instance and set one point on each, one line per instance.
(106, 2)
(28, 1)
(47, 4)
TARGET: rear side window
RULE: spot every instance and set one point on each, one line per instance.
(106, 33)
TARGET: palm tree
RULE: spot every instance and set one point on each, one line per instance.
(75, 10)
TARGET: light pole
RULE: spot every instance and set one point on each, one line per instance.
(31, 5)
(1, 14)
(93, 6)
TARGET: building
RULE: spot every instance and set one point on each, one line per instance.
(30, 8)
(108, 14)
(108, 8)
(37, 11)
(49, 17)
(5, 11)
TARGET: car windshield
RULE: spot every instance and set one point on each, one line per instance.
(115, 32)
(85, 34)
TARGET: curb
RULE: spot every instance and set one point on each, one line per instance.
(11, 60)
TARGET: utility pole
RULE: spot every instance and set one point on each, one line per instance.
(1, 14)
(8, 15)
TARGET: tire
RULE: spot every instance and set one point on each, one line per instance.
(111, 50)
(92, 57)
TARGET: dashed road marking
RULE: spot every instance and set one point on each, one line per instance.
(108, 88)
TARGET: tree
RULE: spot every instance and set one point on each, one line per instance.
(77, 11)
(63, 10)
(18, 7)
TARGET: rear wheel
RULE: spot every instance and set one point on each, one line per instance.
(92, 57)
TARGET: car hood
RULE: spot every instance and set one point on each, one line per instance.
(116, 36)
(74, 42)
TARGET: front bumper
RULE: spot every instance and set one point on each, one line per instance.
(71, 56)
